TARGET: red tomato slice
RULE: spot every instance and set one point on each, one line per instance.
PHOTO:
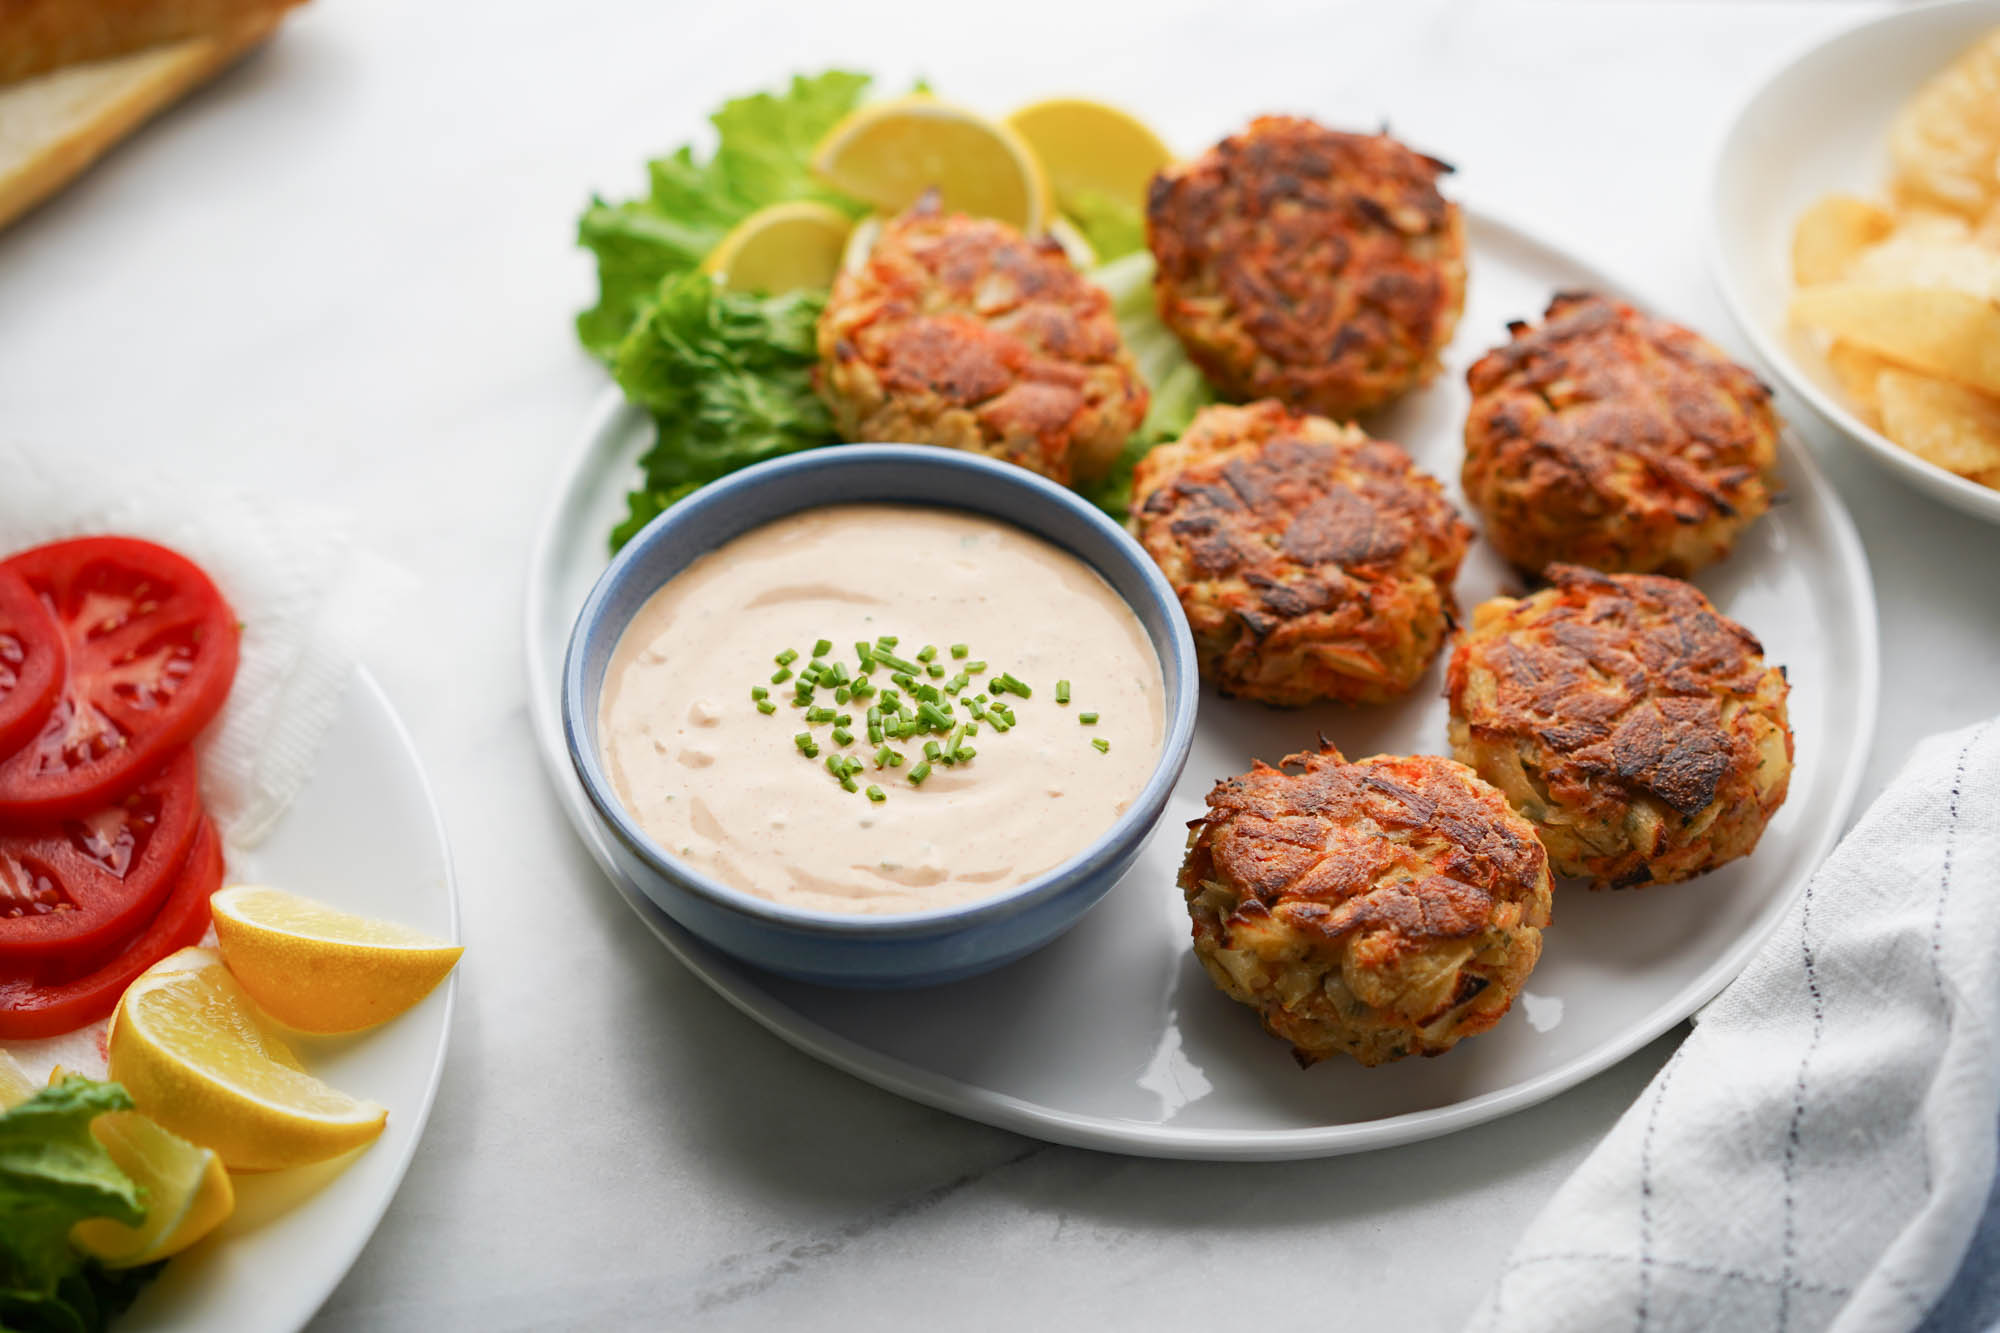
(50, 1005)
(69, 893)
(31, 662)
(152, 651)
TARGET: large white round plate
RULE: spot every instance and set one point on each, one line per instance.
(1113, 1038)
(1819, 126)
(363, 836)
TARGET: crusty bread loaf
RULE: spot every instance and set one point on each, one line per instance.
(37, 36)
(54, 125)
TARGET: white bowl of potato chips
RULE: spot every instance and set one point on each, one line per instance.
(1856, 238)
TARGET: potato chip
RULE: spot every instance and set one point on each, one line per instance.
(1987, 233)
(1942, 423)
(1933, 253)
(1857, 370)
(1946, 140)
(1951, 335)
(1831, 234)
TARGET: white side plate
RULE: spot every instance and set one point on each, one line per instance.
(1819, 126)
(363, 836)
(1113, 1037)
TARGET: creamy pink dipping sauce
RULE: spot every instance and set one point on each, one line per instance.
(723, 787)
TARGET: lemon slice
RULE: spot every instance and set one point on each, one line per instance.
(1089, 149)
(783, 248)
(194, 1054)
(889, 153)
(188, 1193)
(319, 970)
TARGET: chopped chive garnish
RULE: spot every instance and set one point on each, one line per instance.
(906, 680)
(971, 730)
(895, 663)
(974, 707)
(927, 652)
(781, 675)
(882, 756)
(766, 707)
(937, 670)
(812, 751)
(864, 651)
(835, 766)
(875, 793)
(842, 736)
(844, 720)
(975, 667)
(931, 715)
(786, 658)
(964, 753)
(842, 695)
(1062, 691)
(886, 641)
(822, 648)
(819, 715)
(895, 757)
(861, 689)
(1007, 680)
(849, 784)
(803, 739)
(951, 742)
(759, 692)
(836, 671)
(960, 650)
(918, 774)
(932, 750)
(1101, 745)
(1087, 719)
(1000, 724)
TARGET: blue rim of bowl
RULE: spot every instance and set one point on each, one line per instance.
(1175, 743)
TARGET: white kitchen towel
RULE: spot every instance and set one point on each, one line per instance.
(1818, 1153)
(305, 594)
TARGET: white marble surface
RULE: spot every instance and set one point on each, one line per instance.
(346, 270)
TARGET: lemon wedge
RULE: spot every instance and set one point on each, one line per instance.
(188, 1193)
(15, 1085)
(196, 1057)
(787, 247)
(319, 970)
(1089, 149)
(890, 152)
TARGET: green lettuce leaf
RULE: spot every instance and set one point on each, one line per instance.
(53, 1174)
(764, 144)
(1113, 227)
(728, 379)
(1178, 388)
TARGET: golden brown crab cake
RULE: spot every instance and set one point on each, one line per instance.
(1638, 728)
(1313, 562)
(1381, 908)
(1300, 263)
(961, 332)
(1605, 437)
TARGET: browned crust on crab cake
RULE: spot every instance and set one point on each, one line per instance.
(1640, 730)
(959, 331)
(1607, 438)
(1300, 263)
(1381, 908)
(1313, 562)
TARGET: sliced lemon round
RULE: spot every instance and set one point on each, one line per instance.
(320, 970)
(188, 1193)
(783, 248)
(889, 153)
(1090, 149)
(197, 1057)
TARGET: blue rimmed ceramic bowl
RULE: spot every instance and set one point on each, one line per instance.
(905, 949)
